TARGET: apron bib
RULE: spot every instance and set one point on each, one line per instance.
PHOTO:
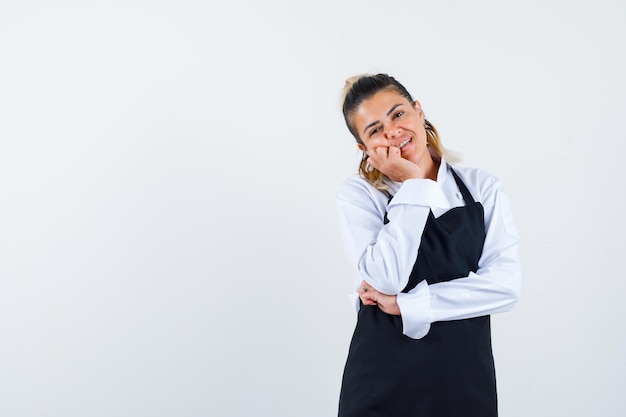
(450, 371)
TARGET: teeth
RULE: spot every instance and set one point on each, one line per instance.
(403, 144)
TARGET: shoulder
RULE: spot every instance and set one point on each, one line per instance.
(356, 191)
(355, 186)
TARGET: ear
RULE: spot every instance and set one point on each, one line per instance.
(417, 106)
(361, 147)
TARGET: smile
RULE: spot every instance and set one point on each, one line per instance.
(403, 144)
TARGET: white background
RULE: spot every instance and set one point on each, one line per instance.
(168, 237)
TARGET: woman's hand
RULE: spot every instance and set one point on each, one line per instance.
(387, 303)
(388, 160)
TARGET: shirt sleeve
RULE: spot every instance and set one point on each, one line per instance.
(384, 254)
(494, 288)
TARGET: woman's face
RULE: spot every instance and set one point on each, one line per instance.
(389, 119)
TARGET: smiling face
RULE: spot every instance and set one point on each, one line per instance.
(389, 119)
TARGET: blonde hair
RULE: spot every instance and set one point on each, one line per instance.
(359, 88)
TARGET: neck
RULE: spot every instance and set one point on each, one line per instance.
(431, 165)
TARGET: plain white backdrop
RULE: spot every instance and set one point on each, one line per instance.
(168, 237)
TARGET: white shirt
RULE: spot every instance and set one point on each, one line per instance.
(384, 255)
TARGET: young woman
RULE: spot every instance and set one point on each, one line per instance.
(435, 248)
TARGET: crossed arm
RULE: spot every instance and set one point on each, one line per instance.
(385, 254)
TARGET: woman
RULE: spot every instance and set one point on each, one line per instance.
(436, 252)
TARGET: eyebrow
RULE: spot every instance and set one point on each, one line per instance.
(377, 121)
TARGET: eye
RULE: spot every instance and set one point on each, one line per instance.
(374, 131)
(398, 114)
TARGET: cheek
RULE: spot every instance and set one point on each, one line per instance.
(363, 145)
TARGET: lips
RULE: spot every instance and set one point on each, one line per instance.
(406, 142)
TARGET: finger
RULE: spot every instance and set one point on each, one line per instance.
(382, 152)
(376, 143)
(369, 302)
(366, 299)
(362, 291)
(376, 157)
(394, 152)
(366, 293)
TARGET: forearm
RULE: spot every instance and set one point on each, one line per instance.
(387, 262)
(384, 254)
(495, 287)
(479, 294)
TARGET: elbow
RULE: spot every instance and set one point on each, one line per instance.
(507, 290)
(507, 282)
(514, 291)
(384, 277)
(514, 299)
(384, 286)
(507, 300)
(517, 286)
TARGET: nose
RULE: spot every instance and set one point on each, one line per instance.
(392, 130)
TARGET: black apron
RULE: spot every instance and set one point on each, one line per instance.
(450, 371)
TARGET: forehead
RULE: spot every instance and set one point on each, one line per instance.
(376, 107)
